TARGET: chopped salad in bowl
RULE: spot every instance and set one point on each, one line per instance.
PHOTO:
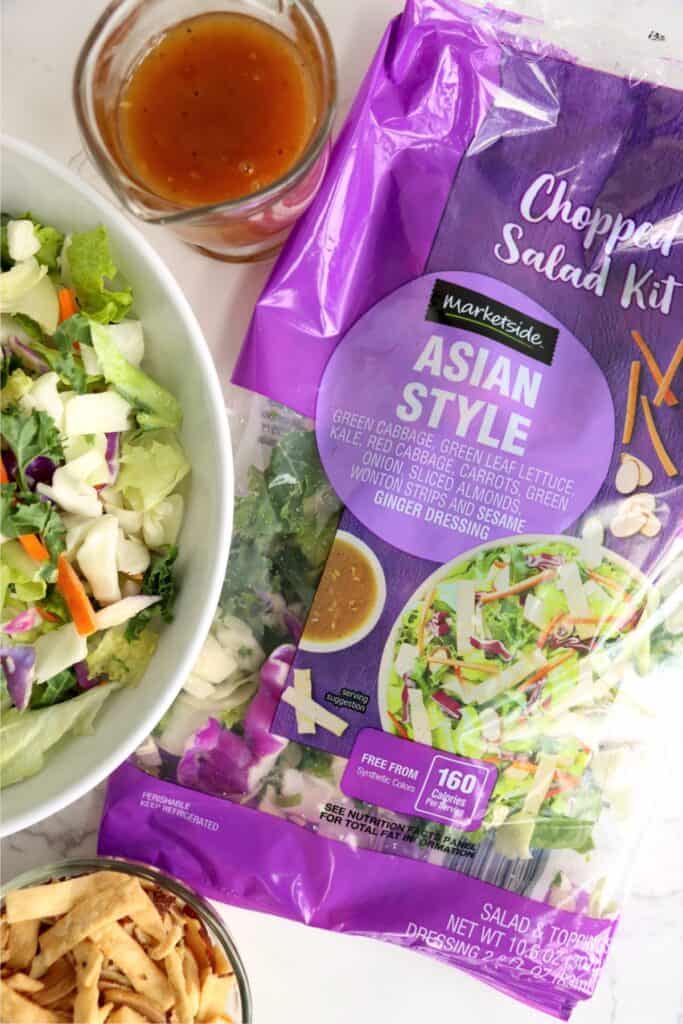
(92, 476)
(522, 654)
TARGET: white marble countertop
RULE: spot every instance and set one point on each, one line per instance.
(343, 979)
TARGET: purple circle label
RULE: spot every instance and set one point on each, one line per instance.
(458, 411)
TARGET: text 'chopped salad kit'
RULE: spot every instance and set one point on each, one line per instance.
(430, 707)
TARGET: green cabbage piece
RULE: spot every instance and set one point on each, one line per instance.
(152, 466)
(157, 407)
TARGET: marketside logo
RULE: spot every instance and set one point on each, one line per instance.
(455, 306)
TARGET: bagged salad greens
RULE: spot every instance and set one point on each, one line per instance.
(430, 708)
(90, 465)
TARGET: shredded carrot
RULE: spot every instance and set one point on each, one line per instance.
(67, 304)
(78, 602)
(524, 766)
(668, 465)
(400, 727)
(671, 372)
(424, 612)
(545, 635)
(543, 672)
(519, 588)
(34, 547)
(138, 576)
(631, 402)
(565, 782)
(4, 475)
(610, 584)
(464, 666)
(499, 563)
(48, 616)
(653, 366)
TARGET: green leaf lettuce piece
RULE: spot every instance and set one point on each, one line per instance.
(91, 269)
(17, 385)
(26, 737)
(121, 660)
(51, 241)
(21, 573)
(55, 690)
(563, 833)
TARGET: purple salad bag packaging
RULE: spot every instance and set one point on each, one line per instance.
(430, 707)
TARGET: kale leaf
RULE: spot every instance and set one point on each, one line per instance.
(30, 434)
(159, 581)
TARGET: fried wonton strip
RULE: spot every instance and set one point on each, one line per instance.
(88, 960)
(196, 942)
(311, 709)
(148, 918)
(653, 367)
(304, 684)
(17, 1009)
(671, 372)
(192, 985)
(215, 995)
(124, 1015)
(91, 914)
(631, 402)
(104, 1013)
(169, 942)
(4, 939)
(222, 965)
(127, 997)
(668, 465)
(129, 956)
(57, 898)
(23, 983)
(174, 970)
(58, 982)
(23, 943)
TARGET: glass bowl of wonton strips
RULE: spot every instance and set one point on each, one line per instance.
(105, 941)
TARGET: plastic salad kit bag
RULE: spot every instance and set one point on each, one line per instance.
(432, 717)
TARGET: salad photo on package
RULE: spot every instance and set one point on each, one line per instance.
(92, 503)
(515, 657)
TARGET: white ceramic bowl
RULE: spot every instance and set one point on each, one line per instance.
(177, 355)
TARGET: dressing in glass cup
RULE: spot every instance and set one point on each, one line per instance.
(209, 113)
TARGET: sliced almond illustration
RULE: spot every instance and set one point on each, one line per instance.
(652, 527)
(645, 503)
(628, 477)
(645, 475)
(628, 524)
